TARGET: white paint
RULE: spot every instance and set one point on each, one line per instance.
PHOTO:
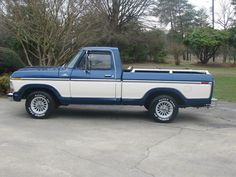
(114, 89)
(93, 89)
(135, 90)
(62, 86)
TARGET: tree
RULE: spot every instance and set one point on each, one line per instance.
(119, 13)
(204, 42)
(225, 20)
(47, 30)
(182, 18)
(225, 14)
(201, 18)
(180, 15)
(155, 42)
(233, 2)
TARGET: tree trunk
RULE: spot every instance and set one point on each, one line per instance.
(184, 55)
(225, 54)
(214, 58)
(177, 60)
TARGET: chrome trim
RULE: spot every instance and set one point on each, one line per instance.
(10, 96)
(158, 81)
(96, 80)
(171, 70)
(47, 79)
(213, 104)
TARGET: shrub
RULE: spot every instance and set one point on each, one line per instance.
(204, 42)
(9, 60)
(4, 83)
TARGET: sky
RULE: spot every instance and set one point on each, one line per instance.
(207, 4)
(202, 3)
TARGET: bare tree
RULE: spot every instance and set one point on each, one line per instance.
(225, 21)
(47, 30)
(225, 14)
(120, 12)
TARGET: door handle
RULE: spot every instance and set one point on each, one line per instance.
(109, 75)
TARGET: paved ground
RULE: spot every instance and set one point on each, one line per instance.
(107, 141)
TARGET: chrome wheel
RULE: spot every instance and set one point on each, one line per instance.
(164, 110)
(39, 105)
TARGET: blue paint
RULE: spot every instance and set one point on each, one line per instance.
(167, 77)
(37, 72)
(119, 75)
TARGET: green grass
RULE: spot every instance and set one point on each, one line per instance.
(225, 88)
(225, 78)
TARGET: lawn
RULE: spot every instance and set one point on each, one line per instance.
(225, 78)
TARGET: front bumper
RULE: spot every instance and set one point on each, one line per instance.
(10, 96)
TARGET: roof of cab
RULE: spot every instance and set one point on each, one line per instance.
(100, 48)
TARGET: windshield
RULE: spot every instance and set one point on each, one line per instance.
(74, 59)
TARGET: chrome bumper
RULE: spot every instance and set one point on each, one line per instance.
(213, 103)
(10, 96)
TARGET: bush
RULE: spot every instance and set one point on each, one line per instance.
(204, 42)
(156, 45)
(9, 60)
(4, 83)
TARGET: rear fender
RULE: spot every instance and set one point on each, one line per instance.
(177, 95)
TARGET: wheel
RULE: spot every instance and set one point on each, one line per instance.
(39, 104)
(164, 109)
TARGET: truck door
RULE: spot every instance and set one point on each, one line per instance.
(94, 77)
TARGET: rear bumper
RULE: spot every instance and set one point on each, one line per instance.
(213, 103)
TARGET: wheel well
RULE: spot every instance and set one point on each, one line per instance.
(31, 90)
(177, 97)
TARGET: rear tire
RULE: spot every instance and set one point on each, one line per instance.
(164, 109)
(39, 104)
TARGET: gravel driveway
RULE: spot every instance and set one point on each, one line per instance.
(117, 141)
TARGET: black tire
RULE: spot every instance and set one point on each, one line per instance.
(57, 105)
(39, 104)
(164, 109)
(147, 106)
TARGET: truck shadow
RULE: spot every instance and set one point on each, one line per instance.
(100, 113)
(116, 113)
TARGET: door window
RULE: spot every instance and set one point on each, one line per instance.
(96, 61)
(100, 61)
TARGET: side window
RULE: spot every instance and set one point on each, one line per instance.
(100, 61)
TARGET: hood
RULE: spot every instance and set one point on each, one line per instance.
(37, 72)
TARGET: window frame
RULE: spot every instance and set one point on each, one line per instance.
(97, 52)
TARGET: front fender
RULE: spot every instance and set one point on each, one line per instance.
(23, 91)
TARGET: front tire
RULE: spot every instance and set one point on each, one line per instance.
(164, 109)
(39, 105)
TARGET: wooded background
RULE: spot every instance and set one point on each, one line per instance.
(50, 32)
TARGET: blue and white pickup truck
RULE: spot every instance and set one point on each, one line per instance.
(95, 76)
